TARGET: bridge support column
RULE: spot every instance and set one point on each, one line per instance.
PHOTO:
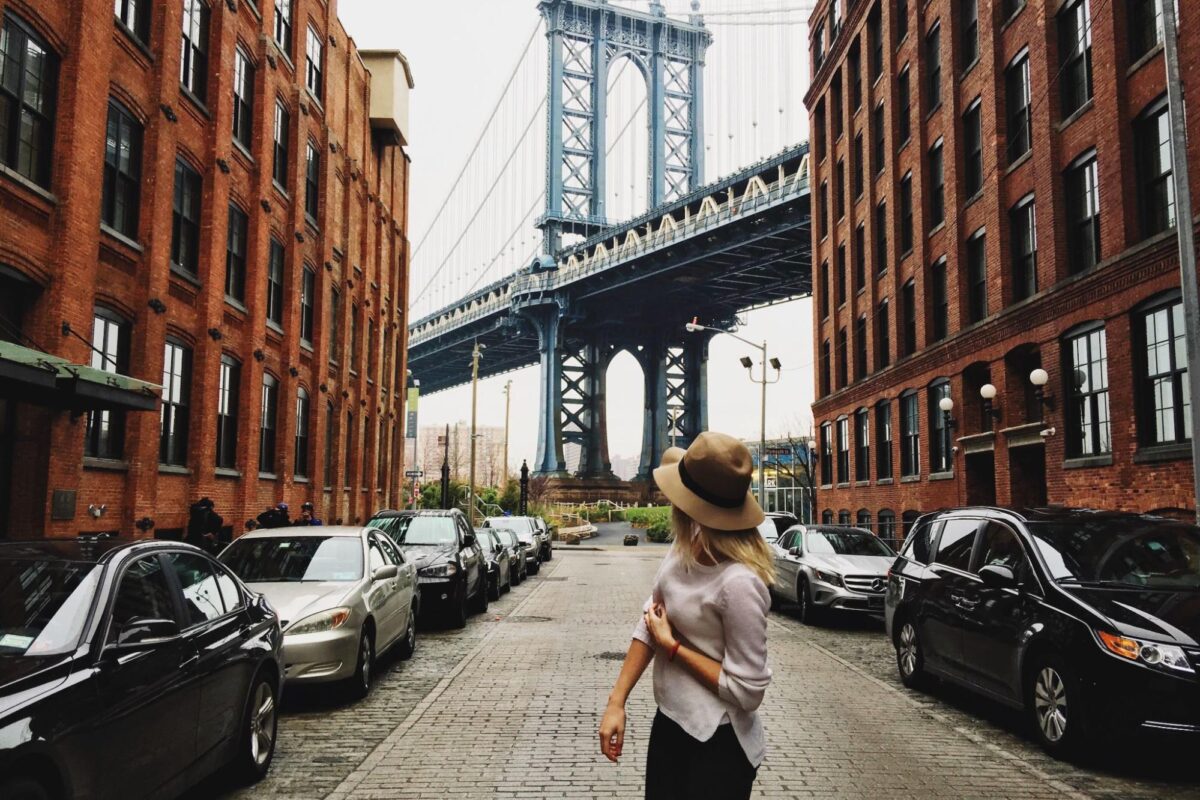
(654, 421)
(676, 396)
(584, 409)
(547, 321)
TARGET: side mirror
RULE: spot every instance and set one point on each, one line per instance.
(145, 634)
(385, 572)
(995, 576)
(468, 540)
(795, 551)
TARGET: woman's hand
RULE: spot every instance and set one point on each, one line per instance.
(660, 626)
(612, 731)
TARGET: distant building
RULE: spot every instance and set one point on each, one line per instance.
(489, 453)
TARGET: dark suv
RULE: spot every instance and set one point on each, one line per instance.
(451, 568)
(1087, 620)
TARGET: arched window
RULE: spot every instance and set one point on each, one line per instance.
(827, 517)
(266, 426)
(910, 434)
(228, 395)
(1085, 375)
(844, 517)
(939, 431)
(887, 526)
(27, 100)
(301, 462)
(1161, 360)
(176, 394)
(863, 519)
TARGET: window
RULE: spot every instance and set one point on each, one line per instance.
(906, 214)
(275, 283)
(887, 526)
(955, 543)
(193, 66)
(185, 219)
(1018, 96)
(840, 187)
(1156, 190)
(836, 106)
(314, 63)
(842, 357)
(969, 22)
(235, 255)
(1009, 8)
(859, 184)
(939, 301)
(825, 284)
(243, 97)
(201, 594)
(862, 445)
(819, 131)
(1083, 213)
(933, 65)
(283, 26)
(1145, 27)
(227, 412)
(844, 517)
(349, 434)
(312, 181)
(904, 97)
(901, 20)
(939, 441)
(1075, 53)
(973, 149)
(1024, 249)
(883, 339)
(937, 185)
(825, 367)
(301, 433)
(878, 139)
(134, 15)
(818, 46)
(122, 171)
(875, 42)
(142, 594)
(860, 257)
(823, 203)
(1087, 415)
(28, 88)
(365, 473)
(881, 241)
(827, 454)
(177, 385)
(381, 456)
(843, 458)
(328, 469)
(883, 440)
(855, 76)
(863, 519)
(910, 435)
(835, 20)
(841, 275)
(1163, 394)
(105, 433)
(827, 517)
(266, 425)
(908, 308)
(335, 327)
(279, 164)
(860, 347)
(354, 337)
(372, 350)
(308, 288)
(977, 304)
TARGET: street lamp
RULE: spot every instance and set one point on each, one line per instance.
(476, 354)
(948, 423)
(748, 363)
(812, 483)
(988, 393)
(1039, 378)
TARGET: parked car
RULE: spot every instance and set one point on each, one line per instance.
(518, 564)
(104, 644)
(769, 533)
(1086, 620)
(344, 594)
(451, 570)
(782, 520)
(547, 542)
(495, 552)
(524, 529)
(826, 567)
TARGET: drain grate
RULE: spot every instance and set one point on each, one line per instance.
(555, 579)
(611, 655)
(529, 619)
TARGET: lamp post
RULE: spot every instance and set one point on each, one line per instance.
(947, 406)
(988, 393)
(507, 406)
(1039, 378)
(812, 482)
(476, 354)
(693, 327)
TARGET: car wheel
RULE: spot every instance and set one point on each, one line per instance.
(480, 604)
(910, 657)
(536, 568)
(507, 587)
(23, 789)
(259, 726)
(359, 684)
(493, 591)
(808, 611)
(774, 598)
(458, 611)
(549, 553)
(1056, 707)
(408, 644)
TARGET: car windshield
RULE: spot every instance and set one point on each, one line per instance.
(283, 559)
(1141, 553)
(518, 526)
(485, 541)
(44, 604)
(433, 531)
(846, 543)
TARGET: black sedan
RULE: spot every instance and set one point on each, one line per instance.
(498, 561)
(518, 564)
(130, 669)
(1089, 621)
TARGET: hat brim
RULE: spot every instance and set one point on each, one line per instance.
(748, 515)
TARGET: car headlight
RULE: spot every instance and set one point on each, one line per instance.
(830, 577)
(324, 621)
(440, 570)
(1167, 656)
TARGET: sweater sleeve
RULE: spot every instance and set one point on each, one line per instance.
(744, 672)
(641, 632)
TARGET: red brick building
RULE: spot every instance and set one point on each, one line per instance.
(209, 196)
(994, 198)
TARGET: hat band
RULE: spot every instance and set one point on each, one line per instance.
(704, 494)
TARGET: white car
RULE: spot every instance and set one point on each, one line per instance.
(828, 567)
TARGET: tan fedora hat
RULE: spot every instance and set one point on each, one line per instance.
(711, 483)
(672, 455)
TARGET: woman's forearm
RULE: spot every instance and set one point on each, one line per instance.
(636, 660)
(702, 668)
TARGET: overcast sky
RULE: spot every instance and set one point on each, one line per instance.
(461, 53)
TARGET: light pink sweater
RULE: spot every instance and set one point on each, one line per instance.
(720, 611)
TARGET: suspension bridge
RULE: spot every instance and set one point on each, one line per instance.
(602, 232)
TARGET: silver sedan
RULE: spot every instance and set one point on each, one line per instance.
(343, 595)
(824, 567)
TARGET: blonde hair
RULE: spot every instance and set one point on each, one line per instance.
(746, 547)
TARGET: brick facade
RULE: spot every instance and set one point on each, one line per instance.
(51, 237)
(1026, 454)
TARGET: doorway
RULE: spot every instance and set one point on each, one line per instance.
(7, 452)
(1027, 476)
(981, 479)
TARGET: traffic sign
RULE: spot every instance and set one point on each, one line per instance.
(414, 473)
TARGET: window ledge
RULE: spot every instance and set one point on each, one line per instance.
(1014, 166)
(942, 476)
(884, 482)
(109, 464)
(903, 145)
(200, 105)
(311, 222)
(26, 183)
(1013, 17)
(1076, 114)
(843, 485)
(181, 273)
(973, 199)
(328, 490)
(120, 237)
(969, 68)
(134, 39)
(233, 301)
(299, 479)
(173, 469)
(267, 476)
(243, 150)
(1152, 454)
(910, 479)
(316, 100)
(275, 326)
(937, 228)
(281, 189)
(225, 472)
(860, 484)
(933, 111)
(1144, 60)
(1088, 462)
(826, 485)
(306, 345)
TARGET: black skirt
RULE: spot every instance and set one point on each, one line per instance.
(678, 767)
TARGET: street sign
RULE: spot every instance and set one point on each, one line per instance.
(414, 473)
(778, 451)
(441, 441)
(410, 421)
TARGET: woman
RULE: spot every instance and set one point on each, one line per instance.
(705, 628)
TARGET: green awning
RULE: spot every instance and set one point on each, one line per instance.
(42, 379)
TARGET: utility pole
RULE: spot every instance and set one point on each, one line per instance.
(475, 355)
(446, 469)
(1184, 225)
(762, 432)
(507, 406)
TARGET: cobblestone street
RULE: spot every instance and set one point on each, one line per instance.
(508, 708)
